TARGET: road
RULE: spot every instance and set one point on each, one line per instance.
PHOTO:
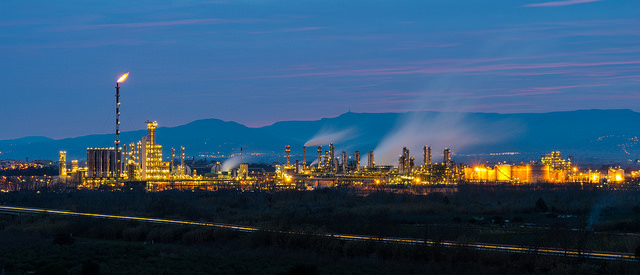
(604, 255)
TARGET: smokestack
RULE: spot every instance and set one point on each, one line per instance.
(288, 151)
(319, 156)
(304, 156)
(371, 163)
(356, 157)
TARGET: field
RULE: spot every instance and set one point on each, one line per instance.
(571, 219)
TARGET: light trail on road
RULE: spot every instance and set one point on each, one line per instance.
(603, 255)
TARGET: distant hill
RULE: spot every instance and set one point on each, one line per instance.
(590, 136)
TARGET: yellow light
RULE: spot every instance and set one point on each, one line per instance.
(123, 78)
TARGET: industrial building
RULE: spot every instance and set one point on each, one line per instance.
(142, 162)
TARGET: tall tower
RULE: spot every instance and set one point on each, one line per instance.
(173, 156)
(74, 166)
(447, 156)
(332, 156)
(118, 156)
(371, 164)
(152, 166)
(62, 164)
(404, 161)
(138, 153)
(182, 167)
(304, 157)
(288, 151)
(344, 162)
(319, 156)
(356, 158)
(125, 155)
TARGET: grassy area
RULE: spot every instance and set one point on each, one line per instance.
(174, 249)
(577, 219)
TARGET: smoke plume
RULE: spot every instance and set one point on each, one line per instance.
(440, 130)
(325, 136)
(231, 163)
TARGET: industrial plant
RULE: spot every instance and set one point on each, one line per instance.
(140, 164)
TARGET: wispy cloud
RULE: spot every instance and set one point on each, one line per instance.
(560, 3)
(155, 24)
(302, 29)
(407, 70)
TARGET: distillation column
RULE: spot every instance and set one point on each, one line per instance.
(344, 162)
(371, 163)
(319, 156)
(304, 157)
(288, 151)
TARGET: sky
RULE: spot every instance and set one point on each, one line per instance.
(259, 62)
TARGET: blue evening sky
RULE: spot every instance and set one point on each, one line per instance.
(258, 62)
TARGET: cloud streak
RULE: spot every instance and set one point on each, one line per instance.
(450, 69)
(155, 24)
(560, 3)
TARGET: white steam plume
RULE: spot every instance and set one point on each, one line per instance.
(438, 130)
(324, 137)
(231, 163)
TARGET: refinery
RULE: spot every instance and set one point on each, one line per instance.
(140, 164)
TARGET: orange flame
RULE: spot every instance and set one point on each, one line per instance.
(123, 78)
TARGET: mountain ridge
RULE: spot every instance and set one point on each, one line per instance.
(608, 135)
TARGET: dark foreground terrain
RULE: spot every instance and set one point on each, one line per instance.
(571, 219)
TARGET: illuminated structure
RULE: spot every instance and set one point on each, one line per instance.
(101, 162)
(74, 166)
(62, 164)
(304, 157)
(288, 151)
(117, 142)
(447, 156)
(370, 163)
(615, 175)
(153, 168)
(427, 155)
(551, 169)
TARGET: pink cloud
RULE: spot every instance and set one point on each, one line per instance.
(560, 3)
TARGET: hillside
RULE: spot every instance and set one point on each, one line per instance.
(593, 136)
